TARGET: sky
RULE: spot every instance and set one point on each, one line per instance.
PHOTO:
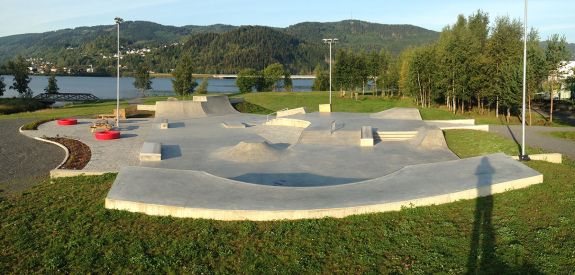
(28, 16)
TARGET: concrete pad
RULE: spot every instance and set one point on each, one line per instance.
(234, 125)
(288, 122)
(398, 113)
(198, 194)
(151, 151)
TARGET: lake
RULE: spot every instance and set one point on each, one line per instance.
(105, 87)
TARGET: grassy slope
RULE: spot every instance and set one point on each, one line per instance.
(61, 225)
(564, 135)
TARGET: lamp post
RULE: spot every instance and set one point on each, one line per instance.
(118, 22)
(523, 155)
(330, 41)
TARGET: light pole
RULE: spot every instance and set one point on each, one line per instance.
(118, 22)
(330, 41)
(523, 155)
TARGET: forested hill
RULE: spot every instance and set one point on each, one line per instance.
(360, 35)
(216, 48)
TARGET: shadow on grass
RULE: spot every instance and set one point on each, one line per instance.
(483, 258)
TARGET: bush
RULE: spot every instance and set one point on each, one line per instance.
(18, 105)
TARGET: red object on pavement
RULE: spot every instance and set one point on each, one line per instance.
(107, 135)
(67, 121)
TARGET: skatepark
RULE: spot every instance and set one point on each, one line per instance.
(201, 158)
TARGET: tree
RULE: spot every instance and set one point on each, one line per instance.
(555, 54)
(184, 82)
(19, 69)
(143, 81)
(288, 84)
(203, 88)
(52, 87)
(247, 80)
(536, 68)
(272, 75)
(321, 81)
(2, 86)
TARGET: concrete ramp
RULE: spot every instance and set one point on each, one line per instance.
(398, 113)
(251, 152)
(218, 105)
(199, 107)
(179, 109)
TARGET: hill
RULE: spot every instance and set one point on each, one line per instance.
(216, 48)
(361, 35)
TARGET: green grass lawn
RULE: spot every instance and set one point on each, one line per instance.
(564, 135)
(61, 226)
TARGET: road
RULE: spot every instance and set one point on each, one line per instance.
(22, 159)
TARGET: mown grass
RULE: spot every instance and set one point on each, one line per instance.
(75, 110)
(62, 226)
(469, 143)
(563, 134)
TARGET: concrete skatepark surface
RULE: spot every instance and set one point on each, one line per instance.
(201, 152)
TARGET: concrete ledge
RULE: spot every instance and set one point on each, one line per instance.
(366, 137)
(484, 128)
(164, 124)
(151, 151)
(64, 173)
(289, 122)
(454, 121)
(325, 108)
(290, 112)
(141, 107)
(200, 98)
(234, 125)
(552, 157)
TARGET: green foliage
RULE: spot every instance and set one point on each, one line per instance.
(17, 105)
(203, 88)
(19, 69)
(2, 86)
(34, 124)
(273, 73)
(321, 81)
(142, 79)
(248, 79)
(248, 107)
(52, 87)
(184, 82)
(288, 84)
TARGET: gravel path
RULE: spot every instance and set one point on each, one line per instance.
(537, 136)
(22, 159)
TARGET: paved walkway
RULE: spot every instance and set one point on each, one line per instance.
(538, 136)
(23, 158)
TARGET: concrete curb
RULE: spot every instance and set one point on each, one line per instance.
(65, 173)
(551, 157)
(66, 151)
(267, 215)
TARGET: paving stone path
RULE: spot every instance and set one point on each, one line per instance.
(22, 159)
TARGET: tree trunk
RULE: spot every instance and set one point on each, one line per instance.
(508, 114)
(529, 101)
(551, 109)
(497, 107)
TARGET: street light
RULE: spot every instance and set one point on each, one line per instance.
(523, 155)
(118, 22)
(330, 41)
